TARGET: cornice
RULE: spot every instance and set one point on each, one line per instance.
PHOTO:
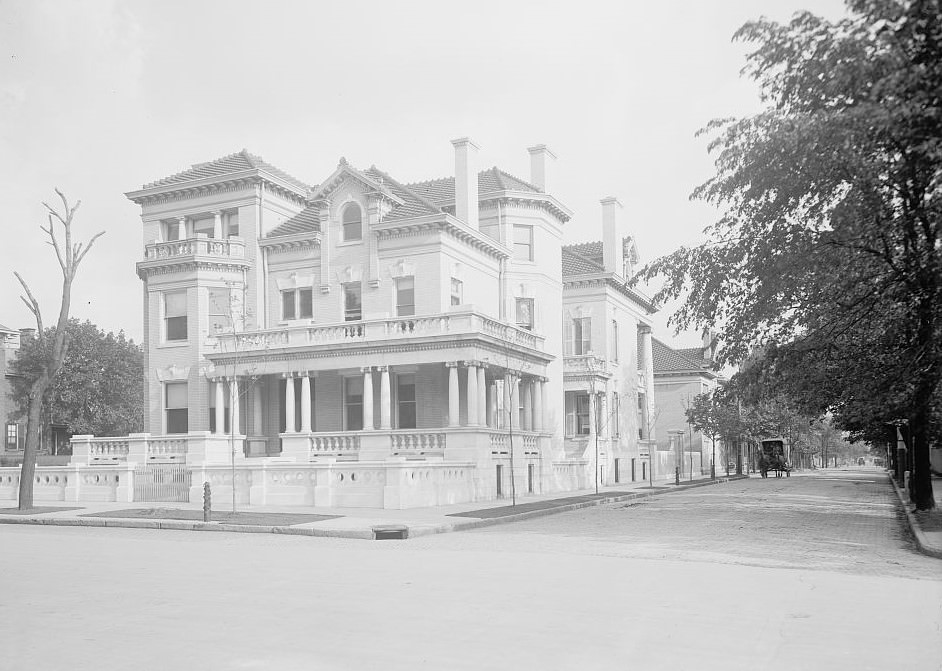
(609, 279)
(403, 228)
(147, 269)
(234, 181)
(285, 243)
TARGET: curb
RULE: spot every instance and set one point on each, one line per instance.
(358, 534)
(922, 542)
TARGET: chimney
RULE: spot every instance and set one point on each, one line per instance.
(538, 156)
(709, 346)
(612, 248)
(466, 181)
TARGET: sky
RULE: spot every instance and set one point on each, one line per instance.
(99, 97)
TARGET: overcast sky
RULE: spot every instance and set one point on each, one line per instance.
(100, 97)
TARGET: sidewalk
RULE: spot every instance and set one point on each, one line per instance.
(926, 527)
(361, 523)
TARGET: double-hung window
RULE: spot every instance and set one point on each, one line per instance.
(616, 414)
(353, 403)
(352, 221)
(405, 296)
(577, 413)
(352, 303)
(175, 315)
(457, 291)
(11, 439)
(579, 336)
(297, 304)
(615, 340)
(642, 416)
(405, 400)
(175, 403)
(220, 309)
(523, 243)
(525, 313)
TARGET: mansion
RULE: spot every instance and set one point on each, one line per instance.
(370, 343)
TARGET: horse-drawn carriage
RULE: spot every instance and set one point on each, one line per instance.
(773, 457)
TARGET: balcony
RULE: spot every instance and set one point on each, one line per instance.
(461, 327)
(193, 251)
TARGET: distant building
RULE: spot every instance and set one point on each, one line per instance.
(14, 424)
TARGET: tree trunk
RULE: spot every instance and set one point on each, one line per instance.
(920, 482)
(33, 437)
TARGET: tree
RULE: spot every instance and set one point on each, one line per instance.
(99, 387)
(828, 248)
(69, 256)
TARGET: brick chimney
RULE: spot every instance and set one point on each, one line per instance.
(466, 181)
(538, 158)
(612, 248)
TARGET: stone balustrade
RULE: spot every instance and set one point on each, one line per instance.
(229, 248)
(402, 442)
(334, 444)
(374, 330)
(586, 363)
(136, 447)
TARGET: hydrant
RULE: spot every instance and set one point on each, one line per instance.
(207, 503)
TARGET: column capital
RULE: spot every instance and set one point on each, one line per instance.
(644, 329)
(288, 375)
(382, 369)
(366, 369)
(451, 364)
(471, 363)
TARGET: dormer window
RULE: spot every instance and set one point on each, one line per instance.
(352, 220)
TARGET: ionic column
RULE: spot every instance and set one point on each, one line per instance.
(538, 404)
(305, 403)
(646, 348)
(367, 398)
(217, 225)
(234, 403)
(181, 228)
(453, 411)
(515, 402)
(482, 397)
(472, 395)
(289, 403)
(508, 400)
(527, 424)
(385, 399)
(491, 391)
(220, 405)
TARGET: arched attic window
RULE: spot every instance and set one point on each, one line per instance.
(352, 220)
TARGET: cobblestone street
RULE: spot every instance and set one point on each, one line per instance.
(827, 520)
(809, 572)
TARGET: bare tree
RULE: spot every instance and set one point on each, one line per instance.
(69, 256)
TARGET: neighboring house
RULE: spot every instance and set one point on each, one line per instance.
(679, 375)
(14, 424)
(367, 342)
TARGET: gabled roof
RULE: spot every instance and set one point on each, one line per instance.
(670, 360)
(582, 259)
(489, 181)
(233, 163)
(414, 204)
(4, 328)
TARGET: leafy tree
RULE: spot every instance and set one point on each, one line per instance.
(99, 388)
(829, 248)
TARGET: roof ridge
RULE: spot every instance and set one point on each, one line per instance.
(678, 351)
(405, 188)
(583, 257)
(522, 181)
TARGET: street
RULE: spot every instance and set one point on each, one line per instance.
(807, 572)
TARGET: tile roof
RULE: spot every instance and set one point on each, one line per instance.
(669, 360)
(415, 204)
(4, 328)
(305, 221)
(226, 165)
(582, 259)
(489, 181)
(693, 353)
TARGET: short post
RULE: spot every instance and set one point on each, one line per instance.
(207, 503)
(676, 475)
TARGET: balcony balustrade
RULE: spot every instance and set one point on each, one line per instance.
(376, 330)
(586, 364)
(226, 248)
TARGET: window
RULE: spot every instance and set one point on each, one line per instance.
(176, 407)
(457, 291)
(219, 310)
(352, 304)
(11, 439)
(579, 336)
(523, 243)
(615, 340)
(525, 313)
(175, 315)
(405, 399)
(297, 304)
(353, 403)
(405, 296)
(232, 225)
(204, 227)
(577, 413)
(171, 230)
(352, 220)
(616, 414)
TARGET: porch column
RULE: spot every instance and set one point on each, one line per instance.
(385, 400)
(181, 228)
(367, 397)
(646, 348)
(217, 225)
(453, 411)
(538, 404)
(508, 401)
(257, 408)
(234, 391)
(593, 429)
(220, 405)
(525, 386)
(515, 402)
(306, 402)
(472, 395)
(289, 403)
(482, 397)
